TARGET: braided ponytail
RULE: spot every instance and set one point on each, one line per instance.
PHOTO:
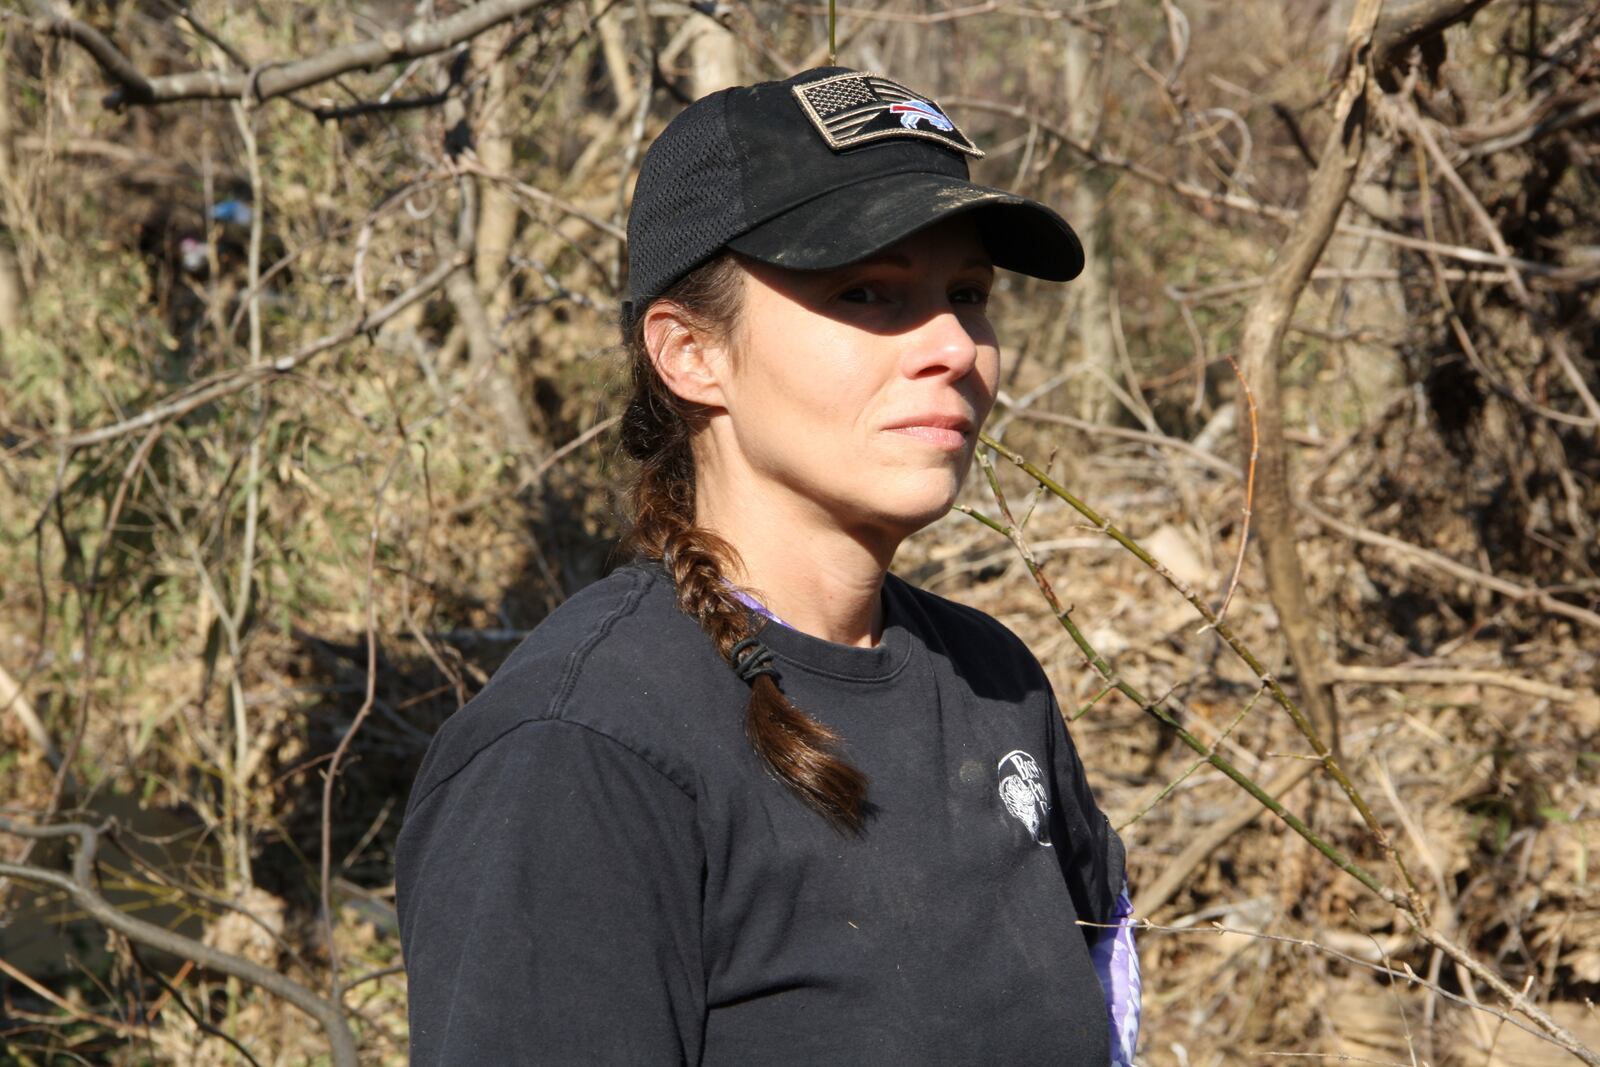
(656, 431)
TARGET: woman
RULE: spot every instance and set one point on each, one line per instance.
(751, 799)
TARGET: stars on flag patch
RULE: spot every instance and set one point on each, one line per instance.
(852, 109)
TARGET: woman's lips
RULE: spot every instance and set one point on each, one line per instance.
(949, 432)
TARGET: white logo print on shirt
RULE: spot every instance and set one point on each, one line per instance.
(1024, 794)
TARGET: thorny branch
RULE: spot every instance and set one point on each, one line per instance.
(1157, 708)
(1329, 761)
(1401, 974)
(1409, 904)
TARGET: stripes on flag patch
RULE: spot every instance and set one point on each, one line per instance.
(852, 109)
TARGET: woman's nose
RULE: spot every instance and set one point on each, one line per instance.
(941, 344)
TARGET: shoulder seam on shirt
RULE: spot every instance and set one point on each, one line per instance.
(568, 679)
(648, 761)
(497, 738)
(576, 658)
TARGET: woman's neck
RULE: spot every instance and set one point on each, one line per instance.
(816, 577)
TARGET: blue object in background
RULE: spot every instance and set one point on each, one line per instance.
(235, 212)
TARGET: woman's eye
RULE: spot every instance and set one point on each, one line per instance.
(861, 294)
(970, 294)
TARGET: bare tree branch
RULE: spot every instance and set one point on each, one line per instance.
(81, 888)
(1267, 322)
(121, 69)
(1265, 325)
(1402, 27)
(275, 78)
(1201, 195)
(204, 392)
(1454, 676)
(1560, 1034)
(14, 700)
(1541, 597)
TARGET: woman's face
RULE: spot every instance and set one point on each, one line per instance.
(859, 391)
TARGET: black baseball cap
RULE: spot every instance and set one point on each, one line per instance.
(818, 171)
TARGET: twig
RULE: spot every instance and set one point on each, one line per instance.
(1418, 128)
(1324, 755)
(372, 976)
(539, 196)
(1249, 491)
(1440, 562)
(244, 119)
(1453, 676)
(1577, 115)
(1201, 195)
(205, 1026)
(1063, 615)
(330, 779)
(1168, 789)
(276, 78)
(14, 700)
(98, 45)
(79, 886)
(1204, 843)
(1210, 460)
(1560, 1034)
(1403, 974)
(567, 449)
(1241, 286)
(227, 384)
(38, 989)
(1541, 597)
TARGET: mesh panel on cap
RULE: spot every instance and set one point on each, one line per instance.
(687, 201)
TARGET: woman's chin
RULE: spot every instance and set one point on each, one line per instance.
(908, 512)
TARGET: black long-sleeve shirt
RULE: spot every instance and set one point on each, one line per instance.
(596, 868)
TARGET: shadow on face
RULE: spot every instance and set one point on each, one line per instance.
(941, 269)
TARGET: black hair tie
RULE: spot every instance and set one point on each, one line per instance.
(751, 659)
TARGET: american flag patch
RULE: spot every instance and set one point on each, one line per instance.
(852, 109)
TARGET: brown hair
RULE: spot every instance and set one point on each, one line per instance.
(657, 428)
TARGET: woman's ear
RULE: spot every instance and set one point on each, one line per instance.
(689, 358)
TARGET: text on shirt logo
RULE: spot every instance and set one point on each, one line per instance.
(1024, 794)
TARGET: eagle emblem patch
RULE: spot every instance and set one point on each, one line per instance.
(1024, 794)
(852, 109)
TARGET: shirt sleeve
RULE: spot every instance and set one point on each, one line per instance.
(549, 898)
(1095, 866)
(1090, 852)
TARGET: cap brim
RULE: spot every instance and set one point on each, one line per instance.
(852, 223)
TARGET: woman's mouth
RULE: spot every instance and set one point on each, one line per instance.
(948, 432)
